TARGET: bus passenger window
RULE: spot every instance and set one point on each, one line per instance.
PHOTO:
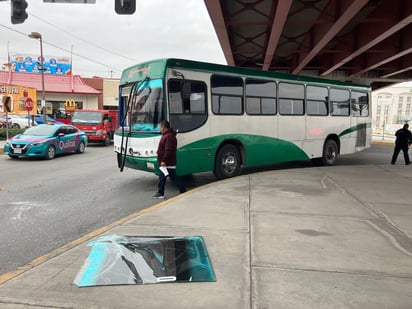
(175, 96)
(339, 102)
(227, 95)
(188, 111)
(360, 104)
(260, 97)
(316, 101)
(291, 99)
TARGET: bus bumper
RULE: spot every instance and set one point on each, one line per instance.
(143, 164)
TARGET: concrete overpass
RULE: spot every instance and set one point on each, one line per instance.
(350, 40)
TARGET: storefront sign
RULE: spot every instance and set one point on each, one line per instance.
(20, 98)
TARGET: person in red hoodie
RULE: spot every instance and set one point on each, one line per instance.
(166, 158)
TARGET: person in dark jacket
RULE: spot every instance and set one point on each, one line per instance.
(403, 140)
(166, 158)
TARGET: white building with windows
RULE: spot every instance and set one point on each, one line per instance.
(391, 108)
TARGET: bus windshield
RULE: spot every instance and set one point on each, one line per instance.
(146, 107)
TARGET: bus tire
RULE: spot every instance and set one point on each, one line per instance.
(330, 152)
(227, 163)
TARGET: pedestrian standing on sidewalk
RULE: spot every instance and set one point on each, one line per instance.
(166, 158)
(403, 140)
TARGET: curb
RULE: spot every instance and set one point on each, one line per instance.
(387, 143)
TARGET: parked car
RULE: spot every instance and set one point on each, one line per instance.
(4, 123)
(39, 119)
(46, 141)
(16, 121)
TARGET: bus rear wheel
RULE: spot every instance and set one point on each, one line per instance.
(330, 152)
(227, 162)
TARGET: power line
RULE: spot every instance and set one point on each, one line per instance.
(81, 39)
(66, 50)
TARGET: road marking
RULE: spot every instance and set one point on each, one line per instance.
(21, 211)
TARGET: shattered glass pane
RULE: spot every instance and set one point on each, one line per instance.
(117, 259)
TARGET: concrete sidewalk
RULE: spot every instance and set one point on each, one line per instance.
(333, 237)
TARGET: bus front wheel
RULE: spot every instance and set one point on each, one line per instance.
(330, 152)
(227, 162)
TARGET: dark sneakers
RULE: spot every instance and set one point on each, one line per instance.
(158, 196)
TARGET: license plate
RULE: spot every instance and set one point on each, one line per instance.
(150, 165)
(17, 150)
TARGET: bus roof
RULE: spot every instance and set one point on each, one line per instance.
(157, 69)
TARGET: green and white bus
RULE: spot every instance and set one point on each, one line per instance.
(228, 117)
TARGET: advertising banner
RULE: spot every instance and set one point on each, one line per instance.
(22, 99)
(31, 64)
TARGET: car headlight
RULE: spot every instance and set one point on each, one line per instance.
(37, 144)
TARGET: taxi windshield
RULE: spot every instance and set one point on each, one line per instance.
(41, 130)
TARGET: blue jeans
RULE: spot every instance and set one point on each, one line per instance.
(176, 180)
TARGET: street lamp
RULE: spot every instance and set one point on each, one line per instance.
(36, 35)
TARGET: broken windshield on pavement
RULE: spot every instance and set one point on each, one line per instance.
(117, 259)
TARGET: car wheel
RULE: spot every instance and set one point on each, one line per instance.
(16, 126)
(107, 140)
(81, 148)
(51, 152)
(13, 157)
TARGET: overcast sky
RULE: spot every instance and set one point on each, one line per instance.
(103, 43)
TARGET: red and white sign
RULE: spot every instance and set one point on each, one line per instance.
(29, 104)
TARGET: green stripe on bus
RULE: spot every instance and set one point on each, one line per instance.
(256, 150)
(361, 126)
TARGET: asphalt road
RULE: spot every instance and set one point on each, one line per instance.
(44, 204)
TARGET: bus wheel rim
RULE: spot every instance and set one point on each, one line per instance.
(229, 163)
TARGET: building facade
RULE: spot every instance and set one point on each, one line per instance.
(109, 92)
(87, 93)
(391, 108)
